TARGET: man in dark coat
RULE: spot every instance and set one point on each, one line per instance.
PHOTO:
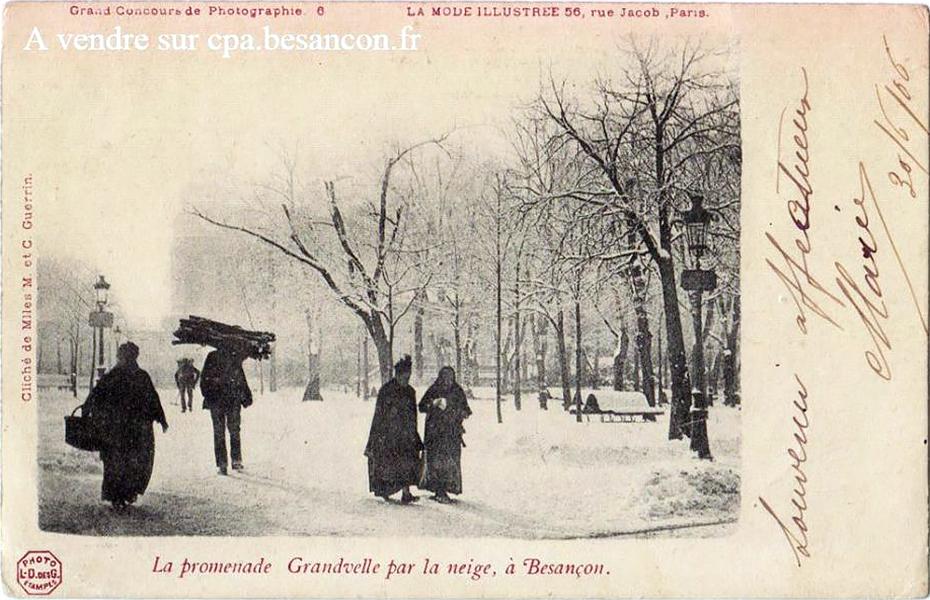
(225, 392)
(123, 406)
(186, 378)
(446, 407)
(394, 446)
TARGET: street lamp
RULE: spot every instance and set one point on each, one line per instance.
(100, 319)
(102, 291)
(696, 219)
(697, 281)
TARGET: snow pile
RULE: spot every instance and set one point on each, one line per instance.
(707, 493)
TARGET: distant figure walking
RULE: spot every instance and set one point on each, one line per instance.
(186, 378)
(225, 392)
(446, 407)
(394, 445)
(123, 406)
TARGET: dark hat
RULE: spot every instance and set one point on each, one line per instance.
(128, 350)
(404, 365)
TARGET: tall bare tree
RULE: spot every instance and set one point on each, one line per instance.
(367, 260)
(668, 110)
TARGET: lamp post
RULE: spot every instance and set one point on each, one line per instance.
(697, 281)
(117, 338)
(100, 319)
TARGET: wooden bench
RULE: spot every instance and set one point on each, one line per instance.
(54, 380)
(626, 416)
(617, 407)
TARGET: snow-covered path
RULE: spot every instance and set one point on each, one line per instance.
(539, 475)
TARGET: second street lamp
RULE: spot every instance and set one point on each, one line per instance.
(99, 320)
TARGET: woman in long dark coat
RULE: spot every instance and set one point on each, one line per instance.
(394, 446)
(446, 407)
(123, 406)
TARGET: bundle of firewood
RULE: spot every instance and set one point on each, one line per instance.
(197, 330)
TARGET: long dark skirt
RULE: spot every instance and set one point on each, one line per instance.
(127, 469)
(443, 468)
(388, 475)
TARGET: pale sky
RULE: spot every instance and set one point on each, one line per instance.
(127, 137)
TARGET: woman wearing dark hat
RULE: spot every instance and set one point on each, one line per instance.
(446, 407)
(123, 406)
(394, 445)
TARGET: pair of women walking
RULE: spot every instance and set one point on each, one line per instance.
(394, 446)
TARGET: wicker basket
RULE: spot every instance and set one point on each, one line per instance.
(80, 432)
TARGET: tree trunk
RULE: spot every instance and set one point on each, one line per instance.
(497, 340)
(75, 357)
(539, 329)
(273, 361)
(358, 368)
(563, 361)
(383, 348)
(730, 361)
(623, 344)
(637, 364)
(596, 370)
(643, 335)
(507, 358)
(578, 370)
(660, 370)
(713, 377)
(681, 395)
(457, 333)
(681, 392)
(273, 371)
(437, 350)
(418, 340)
(469, 374)
(367, 392)
(518, 346)
(617, 371)
(312, 391)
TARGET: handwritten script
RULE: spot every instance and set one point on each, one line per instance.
(856, 293)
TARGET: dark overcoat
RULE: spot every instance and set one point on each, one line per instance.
(444, 438)
(123, 406)
(223, 383)
(186, 376)
(394, 445)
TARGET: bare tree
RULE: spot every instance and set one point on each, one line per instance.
(66, 299)
(367, 261)
(668, 110)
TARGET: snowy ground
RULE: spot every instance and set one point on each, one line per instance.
(539, 475)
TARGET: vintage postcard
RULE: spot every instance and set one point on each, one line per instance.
(464, 299)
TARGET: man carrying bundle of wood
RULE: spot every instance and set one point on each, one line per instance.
(222, 380)
(225, 392)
